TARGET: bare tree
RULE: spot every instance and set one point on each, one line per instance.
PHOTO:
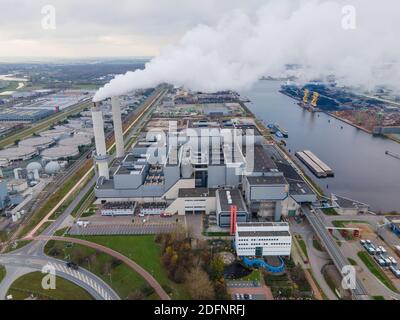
(199, 285)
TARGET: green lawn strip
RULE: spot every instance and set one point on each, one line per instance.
(2, 272)
(61, 232)
(31, 283)
(376, 270)
(43, 227)
(352, 261)
(317, 245)
(145, 252)
(84, 203)
(122, 278)
(302, 245)
(378, 298)
(329, 211)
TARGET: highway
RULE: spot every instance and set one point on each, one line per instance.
(331, 247)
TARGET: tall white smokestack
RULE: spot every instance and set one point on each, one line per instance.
(101, 156)
(119, 138)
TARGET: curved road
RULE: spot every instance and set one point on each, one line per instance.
(133, 265)
(95, 286)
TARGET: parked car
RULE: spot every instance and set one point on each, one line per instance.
(72, 265)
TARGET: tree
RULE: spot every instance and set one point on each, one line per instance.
(107, 267)
(78, 256)
(216, 268)
(199, 285)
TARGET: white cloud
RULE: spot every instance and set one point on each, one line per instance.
(243, 46)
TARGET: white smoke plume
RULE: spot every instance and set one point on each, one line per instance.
(361, 47)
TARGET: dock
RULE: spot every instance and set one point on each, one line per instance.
(316, 165)
(394, 155)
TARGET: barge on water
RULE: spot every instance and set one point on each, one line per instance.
(279, 131)
(316, 165)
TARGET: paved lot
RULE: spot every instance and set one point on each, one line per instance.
(133, 229)
(258, 291)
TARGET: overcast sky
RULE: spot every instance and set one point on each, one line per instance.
(105, 27)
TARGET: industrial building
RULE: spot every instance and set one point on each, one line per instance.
(118, 209)
(23, 115)
(200, 166)
(263, 239)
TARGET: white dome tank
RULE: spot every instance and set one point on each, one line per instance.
(52, 167)
(31, 167)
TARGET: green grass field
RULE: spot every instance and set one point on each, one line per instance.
(30, 284)
(376, 270)
(144, 251)
(122, 278)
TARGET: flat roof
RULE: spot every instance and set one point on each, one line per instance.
(262, 180)
(263, 233)
(236, 197)
(196, 192)
(262, 224)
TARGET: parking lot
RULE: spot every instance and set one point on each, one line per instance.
(133, 229)
(248, 290)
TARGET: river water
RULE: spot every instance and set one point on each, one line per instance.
(362, 169)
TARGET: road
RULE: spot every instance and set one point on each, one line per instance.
(18, 264)
(331, 247)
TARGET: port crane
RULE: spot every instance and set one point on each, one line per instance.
(306, 94)
(314, 99)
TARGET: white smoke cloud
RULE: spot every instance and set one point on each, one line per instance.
(242, 47)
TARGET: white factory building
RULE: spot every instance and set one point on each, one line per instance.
(263, 239)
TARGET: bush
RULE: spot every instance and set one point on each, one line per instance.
(147, 290)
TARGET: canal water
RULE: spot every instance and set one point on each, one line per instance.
(362, 169)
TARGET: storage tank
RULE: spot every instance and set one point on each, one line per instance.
(31, 167)
(52, 167)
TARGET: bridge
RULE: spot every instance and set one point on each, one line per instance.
(359, 292)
